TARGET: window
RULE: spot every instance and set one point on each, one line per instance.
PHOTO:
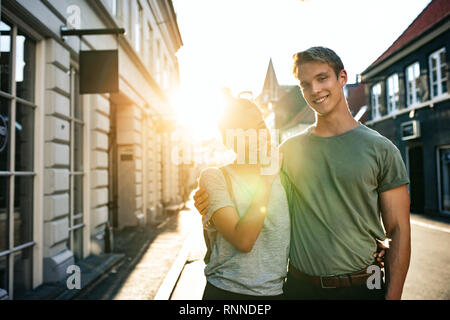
(113, 4)
(413, 85)
(76, 223)
(150, 48)
(438, 73)
(444, 178)
(17, 109)
(392, 93)
(158, 62)
(375, 100)
(165, 74)
(139, 34)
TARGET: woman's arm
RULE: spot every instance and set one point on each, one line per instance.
(243, 232)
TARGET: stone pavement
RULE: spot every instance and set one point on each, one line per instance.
(155, 256)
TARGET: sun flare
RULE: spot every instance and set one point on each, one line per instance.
(198, 111)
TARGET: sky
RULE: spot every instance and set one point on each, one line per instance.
(228, 43)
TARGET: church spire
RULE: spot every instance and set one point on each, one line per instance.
(270, 88)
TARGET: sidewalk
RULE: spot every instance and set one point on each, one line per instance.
(162, 260)
(154, 258)
(146, 261)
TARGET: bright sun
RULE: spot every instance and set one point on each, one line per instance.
(198, 111)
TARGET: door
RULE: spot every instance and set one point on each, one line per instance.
(416, 176)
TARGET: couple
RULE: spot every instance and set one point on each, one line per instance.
(341, 188)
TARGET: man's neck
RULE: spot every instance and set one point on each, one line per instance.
(335, 123)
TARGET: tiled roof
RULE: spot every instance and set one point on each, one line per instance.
(435, 12)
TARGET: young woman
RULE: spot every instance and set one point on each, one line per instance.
(247, 221)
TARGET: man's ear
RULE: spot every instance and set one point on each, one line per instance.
(343, 77)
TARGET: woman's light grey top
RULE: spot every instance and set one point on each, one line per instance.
(260, 272)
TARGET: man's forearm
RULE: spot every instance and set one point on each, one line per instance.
(397, 261)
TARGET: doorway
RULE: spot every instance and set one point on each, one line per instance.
(416, 176)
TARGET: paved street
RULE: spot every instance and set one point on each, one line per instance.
(429, 272)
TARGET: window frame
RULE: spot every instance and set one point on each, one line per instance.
(73, 173)
(375, 101)
(392, 98)
(414, 91)
(439, 77)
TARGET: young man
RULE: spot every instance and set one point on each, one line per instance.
(339, 176)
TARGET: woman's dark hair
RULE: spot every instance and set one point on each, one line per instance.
(238, 113)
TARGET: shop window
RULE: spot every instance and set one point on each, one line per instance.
(17, 118)
(76, 216)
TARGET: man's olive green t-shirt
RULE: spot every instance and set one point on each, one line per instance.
(333, 186)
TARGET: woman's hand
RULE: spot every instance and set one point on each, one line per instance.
(382, 246)
(268, 179)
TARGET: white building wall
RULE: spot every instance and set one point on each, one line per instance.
(56, 162)
(99, 126)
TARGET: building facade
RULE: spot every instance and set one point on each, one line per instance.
(71, 163)
(407, 92)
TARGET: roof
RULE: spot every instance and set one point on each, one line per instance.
(305, 116)
(436, 11)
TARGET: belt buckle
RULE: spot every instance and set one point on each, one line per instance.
(322, 285)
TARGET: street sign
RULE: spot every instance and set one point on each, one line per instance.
(99, 71)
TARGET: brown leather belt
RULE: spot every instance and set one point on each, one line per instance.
(330, 282)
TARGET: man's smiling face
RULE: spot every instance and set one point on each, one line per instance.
(321, 87)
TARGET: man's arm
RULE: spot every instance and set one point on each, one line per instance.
(395, 205)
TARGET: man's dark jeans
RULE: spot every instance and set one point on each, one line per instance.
(303, 290)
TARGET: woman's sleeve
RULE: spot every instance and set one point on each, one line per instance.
(214, 182)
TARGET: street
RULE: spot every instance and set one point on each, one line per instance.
(429, 275)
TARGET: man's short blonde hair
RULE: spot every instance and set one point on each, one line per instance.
(319, 54)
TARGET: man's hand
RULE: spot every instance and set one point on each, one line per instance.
(201, 201)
